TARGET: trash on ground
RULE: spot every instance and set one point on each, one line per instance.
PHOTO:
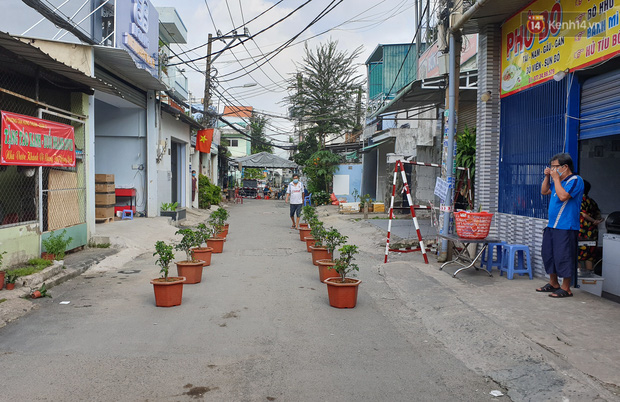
(496, 393)
(64, 302)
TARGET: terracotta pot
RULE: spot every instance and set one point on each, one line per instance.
(203, 254)
(223, 233)
(303, 232)
(35, 295)
(168, 292)
(217, 244)
(320, 253)
(10, 286)
(325, 271)
(48, 256)
(304, 225)
(309, 242)
(342, 295)
(1, 279)
(191, 270)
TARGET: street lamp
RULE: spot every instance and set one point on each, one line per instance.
(246, 85)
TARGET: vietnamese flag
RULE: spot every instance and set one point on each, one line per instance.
(203, 140)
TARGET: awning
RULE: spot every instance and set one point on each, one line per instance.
(493, 12)
(376, 144)
(429, 91)
(183, 117)
(266, 160)
(119, 62)
(42, 59)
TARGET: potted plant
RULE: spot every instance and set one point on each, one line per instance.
(172, 210)
(318, 232)
(55, 246)
(308, 214)
(332, 240)
(191, 269)
(365, 204)
(218, 219)
(41, 292)
(203, 234)
(168, 290)
(342, 291)
(1, 271)
(10, 280)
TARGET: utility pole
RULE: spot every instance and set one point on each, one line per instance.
(207, 96)
(452, 104)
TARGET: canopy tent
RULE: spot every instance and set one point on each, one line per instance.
(266, 160)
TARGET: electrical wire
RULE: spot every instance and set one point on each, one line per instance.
(258, 33)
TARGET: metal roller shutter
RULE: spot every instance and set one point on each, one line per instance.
(600, 106)
(129, 93)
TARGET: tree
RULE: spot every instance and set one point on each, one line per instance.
(259, 141)
(324, 91)
(305, 149)
(320, 169)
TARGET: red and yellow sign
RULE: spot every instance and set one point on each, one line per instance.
(550, 36)
(28, 141)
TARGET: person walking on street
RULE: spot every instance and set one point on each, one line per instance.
(559, 245)
(295, 191)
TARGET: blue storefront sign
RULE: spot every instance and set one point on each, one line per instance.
(137, 31)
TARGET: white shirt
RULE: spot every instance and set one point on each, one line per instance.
(297, 192)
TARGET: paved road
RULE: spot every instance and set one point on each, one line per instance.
(257, 328)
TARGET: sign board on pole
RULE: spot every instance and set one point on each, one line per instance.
(441, 189)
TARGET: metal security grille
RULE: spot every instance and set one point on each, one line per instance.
(55, 197)
(531, 132)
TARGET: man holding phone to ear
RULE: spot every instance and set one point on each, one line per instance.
(559, 246)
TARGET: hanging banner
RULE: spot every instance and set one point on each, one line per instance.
(549, 36)
(28, 141)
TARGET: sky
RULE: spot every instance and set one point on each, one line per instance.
(275, 49)
(352, 23)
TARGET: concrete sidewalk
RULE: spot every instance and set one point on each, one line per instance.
(128, 239)
(499, 328)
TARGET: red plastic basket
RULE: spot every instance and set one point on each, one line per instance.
(472, 225)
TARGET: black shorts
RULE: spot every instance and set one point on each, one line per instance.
(295, 209)
(559, 251)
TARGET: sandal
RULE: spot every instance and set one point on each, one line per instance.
(560, 293)
(547, 288)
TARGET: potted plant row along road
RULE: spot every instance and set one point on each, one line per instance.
(169, 290)
(342, 290)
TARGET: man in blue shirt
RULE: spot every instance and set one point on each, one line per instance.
(559, 246)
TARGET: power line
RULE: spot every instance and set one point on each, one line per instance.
(258, 33)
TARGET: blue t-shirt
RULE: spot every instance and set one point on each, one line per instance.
(565, 215)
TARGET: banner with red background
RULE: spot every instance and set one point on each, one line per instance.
(29, 141)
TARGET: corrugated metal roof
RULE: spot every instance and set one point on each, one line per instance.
(494, 12)
(182, 116)
(119, 62)
(238, 111)
(42, 59)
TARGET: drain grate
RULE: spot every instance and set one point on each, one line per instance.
(129, 271)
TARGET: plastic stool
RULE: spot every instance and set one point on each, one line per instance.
(524, 265)
(487, 257)
(127, 214)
